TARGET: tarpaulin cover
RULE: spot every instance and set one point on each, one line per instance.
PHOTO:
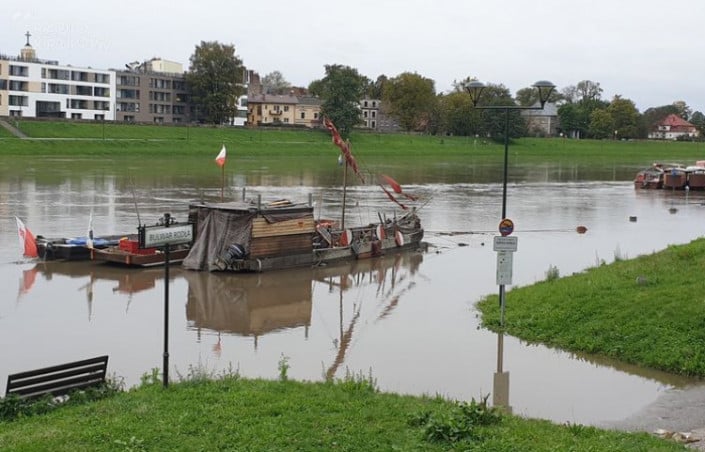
(217, 230)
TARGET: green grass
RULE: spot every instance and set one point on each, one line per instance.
(648, 311)
(258, 415)
(74, 138)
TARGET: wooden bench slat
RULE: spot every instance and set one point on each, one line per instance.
(56, 388)
(58, 380)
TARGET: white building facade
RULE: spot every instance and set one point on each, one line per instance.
(35, 88)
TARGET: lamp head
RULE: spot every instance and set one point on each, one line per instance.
(474, 88)
(545, 88)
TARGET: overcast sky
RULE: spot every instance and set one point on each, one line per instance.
(649, 51)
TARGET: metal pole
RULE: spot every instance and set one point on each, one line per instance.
(167, 249)
(506, 155)
(504, 204)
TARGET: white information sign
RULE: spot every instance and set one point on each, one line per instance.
(505, 243)
(505, 260)
(173, 235)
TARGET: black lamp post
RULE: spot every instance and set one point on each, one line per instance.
(475, 88)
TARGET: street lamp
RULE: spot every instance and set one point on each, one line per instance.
(474, 89)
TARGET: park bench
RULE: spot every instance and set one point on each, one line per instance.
(58, 380)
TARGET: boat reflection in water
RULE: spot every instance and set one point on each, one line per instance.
(256, 304)
(249, 304)
(127, 280)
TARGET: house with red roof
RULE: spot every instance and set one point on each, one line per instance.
(673, 127)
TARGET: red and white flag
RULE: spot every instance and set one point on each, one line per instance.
(28, 244)
(220, 160)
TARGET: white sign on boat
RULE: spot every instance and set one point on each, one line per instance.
(172, 235)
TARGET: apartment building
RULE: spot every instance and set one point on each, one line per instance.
(35, 88)
(152, 92)
(274, 109)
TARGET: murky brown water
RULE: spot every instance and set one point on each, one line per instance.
(407, 319)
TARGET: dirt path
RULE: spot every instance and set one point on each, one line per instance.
(677, 410)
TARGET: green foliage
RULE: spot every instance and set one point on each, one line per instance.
(199, 373)
(341, 90)
(411, 99)
(13, 407)
(457, 422)
(215, 81)
(153, 378)
(552, 273)
(242, 414)
(283, 366)
(358, 382)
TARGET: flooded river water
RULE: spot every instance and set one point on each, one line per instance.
(408, 320)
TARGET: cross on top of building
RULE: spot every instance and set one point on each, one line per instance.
(28, 35)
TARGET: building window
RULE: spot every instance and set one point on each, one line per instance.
(19, 71)
(315, 116)
(286, 120)
(364, 114)
(18, 101)
(129, 118)
(374, 114)
(76, 116)
(286, 108)
(364, 104)
(99, 117)
(303, 115)
(16, 85)
(373, 124)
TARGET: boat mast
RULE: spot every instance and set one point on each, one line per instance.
(345, 187)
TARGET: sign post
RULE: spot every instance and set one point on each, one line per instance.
(505, 247)
(166, 233)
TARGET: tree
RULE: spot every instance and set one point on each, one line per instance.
(456, 113)
(684, 111)
(275, 83)
(698, 120)
(375, 89)
(625, 117)
(494, 121)
(588, 91)
(340, 90)
(529, 96)
(215, 81)
(601, 123)
(410, 98)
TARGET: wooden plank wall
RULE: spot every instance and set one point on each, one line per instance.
(261, 228)
(281, 245)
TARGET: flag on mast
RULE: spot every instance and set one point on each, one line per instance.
(89, 239)
(220, 159)
(28, 244)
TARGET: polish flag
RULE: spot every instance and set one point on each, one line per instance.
(220, 160)
(28, 244)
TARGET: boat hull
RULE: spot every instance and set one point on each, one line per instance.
(72, 249)
(118, 256)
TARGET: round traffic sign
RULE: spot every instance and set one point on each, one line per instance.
(506, 227)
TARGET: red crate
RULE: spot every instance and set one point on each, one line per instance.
(133, 246)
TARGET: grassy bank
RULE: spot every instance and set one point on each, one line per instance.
(72, 138)
(257, 415)
(648, 311)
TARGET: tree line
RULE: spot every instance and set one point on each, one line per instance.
(215, 80)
